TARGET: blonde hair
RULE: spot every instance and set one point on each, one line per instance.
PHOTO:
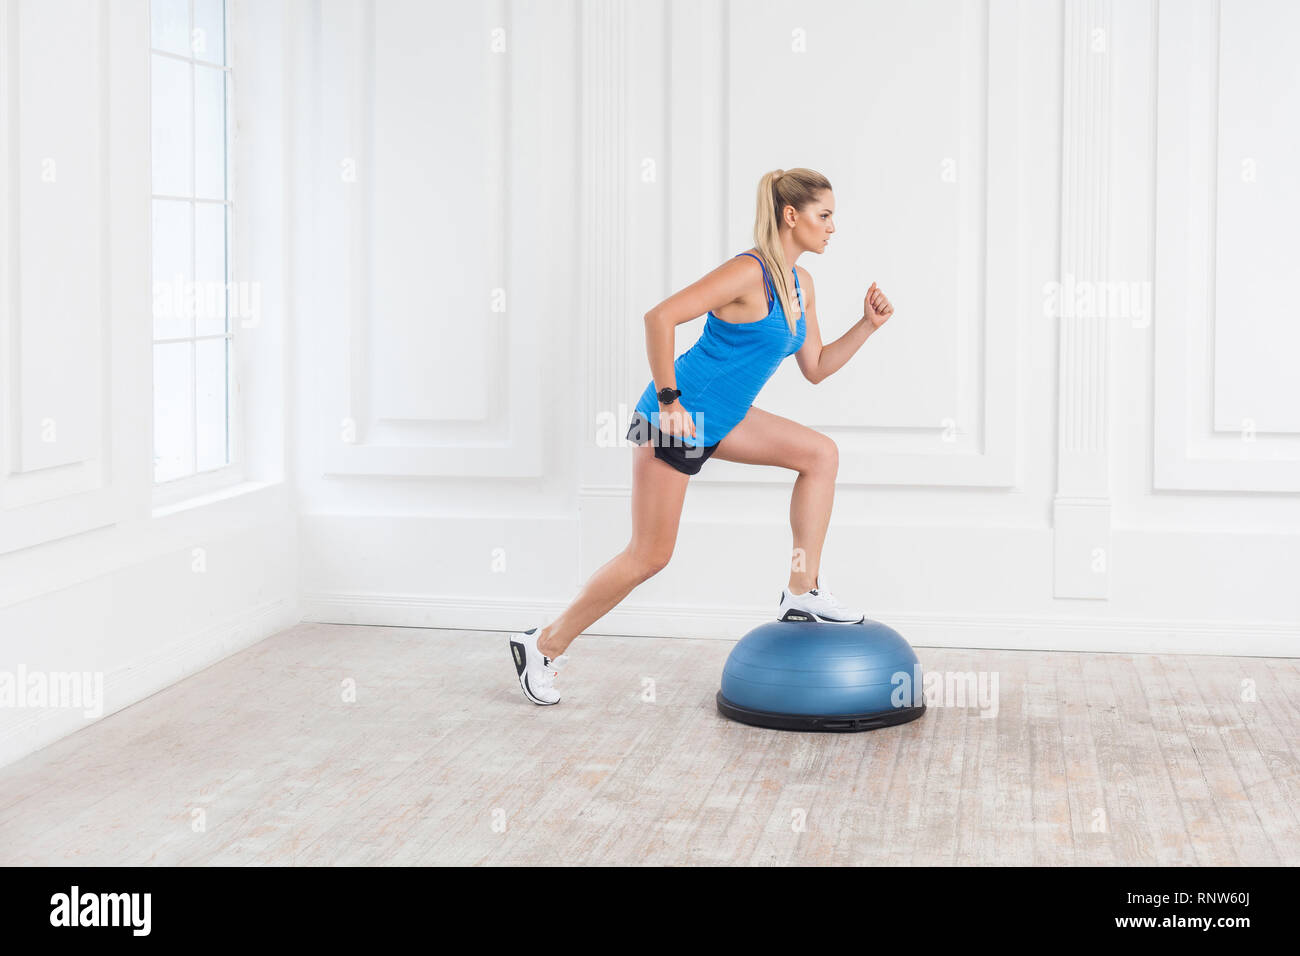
(776, 190)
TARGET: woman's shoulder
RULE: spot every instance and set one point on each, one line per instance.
(752, 253)
(750, 260)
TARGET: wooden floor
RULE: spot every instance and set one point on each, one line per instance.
(1094, 759)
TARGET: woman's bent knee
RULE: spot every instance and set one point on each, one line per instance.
(648, 565)
(825, 457)
(652, 568)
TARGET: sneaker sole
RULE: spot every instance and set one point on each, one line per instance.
(519, 654)
(795, 615)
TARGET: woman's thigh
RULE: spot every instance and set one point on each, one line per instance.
(762, 438)
(658, 490)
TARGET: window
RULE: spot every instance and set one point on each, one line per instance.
(190, 82)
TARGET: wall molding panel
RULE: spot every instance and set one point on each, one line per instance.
(1195, 448)
(607, 310)
(978, 448)
(478, 412)
(1081, 509)
(56, 471)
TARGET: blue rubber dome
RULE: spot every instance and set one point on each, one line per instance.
(807, 675)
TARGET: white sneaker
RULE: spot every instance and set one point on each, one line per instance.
(817, 604)
(536, 671)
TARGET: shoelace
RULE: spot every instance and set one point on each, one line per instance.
(823, 591)
(824, 595)
(547, 678)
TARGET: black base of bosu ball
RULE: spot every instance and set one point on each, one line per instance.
(804, 675)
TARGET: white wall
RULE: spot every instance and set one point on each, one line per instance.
(1009, 478)
(99, 573)
(459, 212)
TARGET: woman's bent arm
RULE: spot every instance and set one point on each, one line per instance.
(721, 287)
(660, 343)
(834, 355)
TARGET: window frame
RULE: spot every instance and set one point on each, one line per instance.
(204, 482)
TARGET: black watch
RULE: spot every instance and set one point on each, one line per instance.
(668, 395)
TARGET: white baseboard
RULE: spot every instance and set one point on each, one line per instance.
(134, 680)
(1036, 633)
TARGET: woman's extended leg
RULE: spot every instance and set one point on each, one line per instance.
(762, 438)
(658, 490)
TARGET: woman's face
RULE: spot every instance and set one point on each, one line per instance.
(815, 223)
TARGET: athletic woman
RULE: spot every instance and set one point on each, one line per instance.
(699, 406)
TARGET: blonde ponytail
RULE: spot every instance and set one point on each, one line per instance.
(776, 190)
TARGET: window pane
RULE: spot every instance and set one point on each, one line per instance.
(172, 268)
(210, 263)
(210, 132)
(213, 423)
(173, 420)
(173, 156)
(171, 25)
(210, 30)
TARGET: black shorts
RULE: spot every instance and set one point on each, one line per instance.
(670, 448)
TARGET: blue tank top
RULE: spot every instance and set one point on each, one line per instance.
(723, 372)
